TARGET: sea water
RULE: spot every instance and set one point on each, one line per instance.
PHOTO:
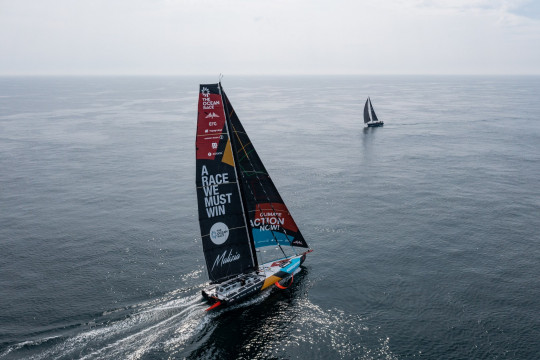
(425, 231)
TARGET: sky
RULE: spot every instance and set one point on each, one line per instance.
(269, 37)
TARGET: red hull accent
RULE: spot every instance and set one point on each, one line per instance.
(214, 306)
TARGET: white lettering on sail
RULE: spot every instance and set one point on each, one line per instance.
(268, 221)
(209, 104)
(215, 211)
(214, 179)
(214, 202)
(225, 259)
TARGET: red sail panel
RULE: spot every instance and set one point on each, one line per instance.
(210, 123)
(274, 215)
(226, 244)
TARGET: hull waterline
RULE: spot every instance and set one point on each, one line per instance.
(244, 286)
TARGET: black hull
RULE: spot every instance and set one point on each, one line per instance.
(377, 124)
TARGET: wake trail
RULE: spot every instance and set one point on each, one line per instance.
(157, 325)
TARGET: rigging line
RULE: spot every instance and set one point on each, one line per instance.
(255, 172)
(243, 157)
(267, 197)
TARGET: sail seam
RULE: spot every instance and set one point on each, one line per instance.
(239, 227)
(223, 183)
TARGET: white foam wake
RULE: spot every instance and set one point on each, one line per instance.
(158, 325)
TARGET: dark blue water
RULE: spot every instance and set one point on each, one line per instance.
(425, 231)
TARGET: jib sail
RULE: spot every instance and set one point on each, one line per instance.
(268, 217)
(226, 241)
(373, 116)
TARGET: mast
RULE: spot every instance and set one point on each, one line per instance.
(366, 112)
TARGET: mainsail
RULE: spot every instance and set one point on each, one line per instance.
(366, 112)
(226, 244)
(240, 209)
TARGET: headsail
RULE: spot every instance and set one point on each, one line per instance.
(373, 116)
(268, 217)
(366, 112)
(226, 243)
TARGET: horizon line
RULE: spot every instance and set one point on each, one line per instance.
(248, 75)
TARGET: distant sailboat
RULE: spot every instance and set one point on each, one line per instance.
(373, 121)
(250, 240)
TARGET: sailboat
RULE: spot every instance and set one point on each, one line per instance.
(250, 240)
(373, 121)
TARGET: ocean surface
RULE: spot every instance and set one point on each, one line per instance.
(425, 232)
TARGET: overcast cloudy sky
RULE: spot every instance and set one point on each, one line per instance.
(269, 37)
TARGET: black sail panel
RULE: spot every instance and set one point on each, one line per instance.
(268, 217)
(366, 113)
(226, 244)
(373, 116)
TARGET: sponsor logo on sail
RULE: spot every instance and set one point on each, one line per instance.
(207, 102)
(219, 233)
(225, 259)
(211, 116)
